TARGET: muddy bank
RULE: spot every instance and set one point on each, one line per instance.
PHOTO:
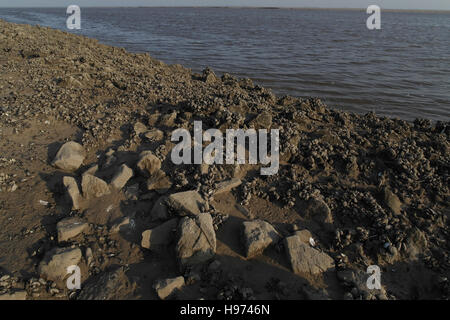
(352, 190)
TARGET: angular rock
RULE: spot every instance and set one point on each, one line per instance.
(197, 240)
(15, 295)
(306, 260)
(159, 182)
(122, 176)
(148, 163)
(226, 186)
(69, 228)
(166, 287)
(257, 235)
(304, 236)
(73, 193)
(93, 187)
(55, 263)
(159, 210)
(154, 135)
(158, 238)
(69, 157)
(139, 128)
(186, 203)
(319, 211)
(111, 285)
(262, 121)
(92, 170)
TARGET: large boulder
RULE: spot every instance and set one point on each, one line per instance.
(55, 263)
(304, 259)
(186, 203)
(166, 287)
(197, 240)
(69, 157)
(158, 238)
(257, 235)
(93, 187)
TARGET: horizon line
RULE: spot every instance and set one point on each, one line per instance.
(241, 7)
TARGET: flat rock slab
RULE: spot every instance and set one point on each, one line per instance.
(69, 228)
(186, 203)
(148, 163)
(197, 240)
(159, 237)
(121, 177)
(257, 235)
(69, 157)
(305, 259)
(55, 263)
(166, 287)
(228, 185)
(94, 187)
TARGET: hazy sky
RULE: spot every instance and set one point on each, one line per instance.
(386, 4)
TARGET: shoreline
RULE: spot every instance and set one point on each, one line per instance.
(262, 8)
(369, 190)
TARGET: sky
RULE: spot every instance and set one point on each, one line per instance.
(384, 4)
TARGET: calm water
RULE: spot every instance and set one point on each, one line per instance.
(402, 70)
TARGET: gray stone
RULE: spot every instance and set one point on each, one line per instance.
(166, 287)
(148, 163)
(69, 157)
(304, 236)
(226, 186)
(257, 235)
(122, 176)
(197, 240)
(69, 228)
(306, 260)
(55, 263)
(93, 187)
(73, 193)
(186, 203)
(158, 238)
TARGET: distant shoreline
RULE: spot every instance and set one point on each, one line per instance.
(238, 7)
